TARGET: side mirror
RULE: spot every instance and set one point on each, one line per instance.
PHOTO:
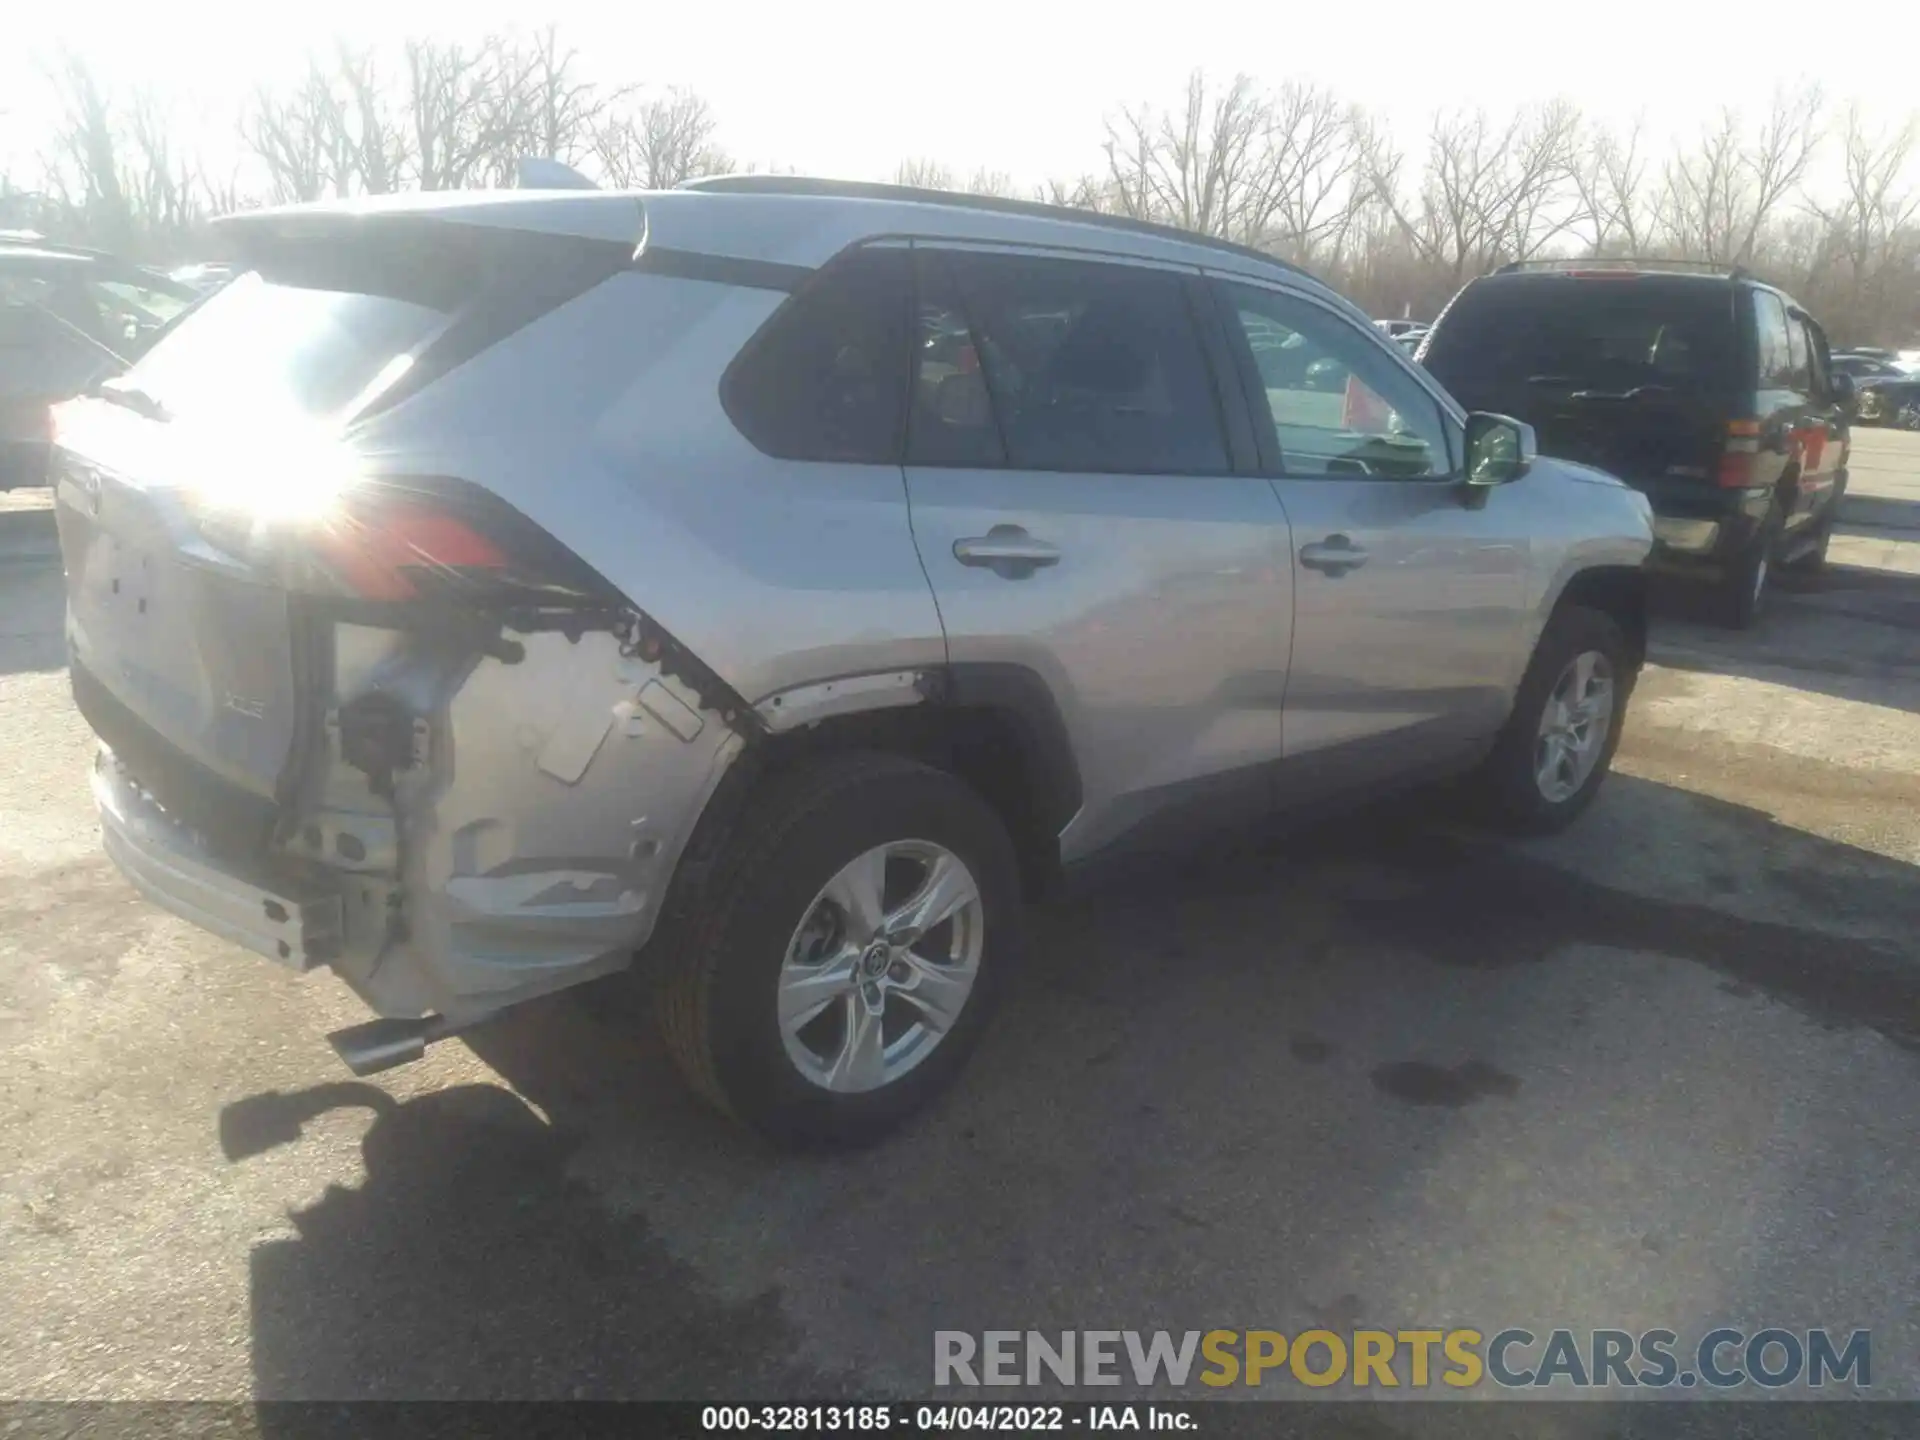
(1843, 391)
(1499, 449)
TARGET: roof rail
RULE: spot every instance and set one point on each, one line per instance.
(1000, 205)
(1717, 267)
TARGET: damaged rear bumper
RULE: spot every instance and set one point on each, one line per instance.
(526, 848)
(296, 922)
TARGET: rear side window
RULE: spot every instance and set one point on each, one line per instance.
(1573, 333)
(1799, 357)
(1774, 349)
(1089, 367)
(1819, 362)
(826, 378)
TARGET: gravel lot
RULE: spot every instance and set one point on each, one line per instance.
(1658, 1071)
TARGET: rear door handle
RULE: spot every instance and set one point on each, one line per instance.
(1334, 556)
(1007, 550)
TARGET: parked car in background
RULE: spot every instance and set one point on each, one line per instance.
(1394, 329)
(1409, 340)
(68, 318)
(1864, 366)
(203, 277)
(466, 601)
(1709, 391)
(1887, 395)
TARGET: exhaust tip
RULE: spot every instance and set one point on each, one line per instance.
(383, 1044)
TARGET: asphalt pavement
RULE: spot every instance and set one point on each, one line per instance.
(1659, 1071)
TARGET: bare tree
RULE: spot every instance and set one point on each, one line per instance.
(84, 164)
(1195, 167)
(923, 175)
(299, 136)
(165, 184)
(562, 109)
(1609, 177)
(454, 99)
(1306, 195)
(1717, 199)
(1489, 193)
(658, 142)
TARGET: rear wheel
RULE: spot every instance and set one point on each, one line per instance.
(1743, 593)
(1559, 742)
(1909, 416)
(847, 950)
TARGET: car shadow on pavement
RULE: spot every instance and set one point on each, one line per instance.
(1870, 514)
(1852, 632)
(1209, 1075)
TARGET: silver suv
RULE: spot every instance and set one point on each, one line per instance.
(780, 581)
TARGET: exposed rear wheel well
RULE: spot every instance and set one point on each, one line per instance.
(1001, 751)
(1618, 591)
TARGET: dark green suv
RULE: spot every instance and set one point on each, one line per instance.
(1708, 390)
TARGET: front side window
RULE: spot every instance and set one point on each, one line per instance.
(1340, 404)
(1088, 366)
(826, 377)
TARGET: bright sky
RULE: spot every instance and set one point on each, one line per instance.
(1020, 85)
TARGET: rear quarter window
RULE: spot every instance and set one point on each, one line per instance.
(826, 377)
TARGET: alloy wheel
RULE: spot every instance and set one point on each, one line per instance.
(1574, 726)
(881, 965)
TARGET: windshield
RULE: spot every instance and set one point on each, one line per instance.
(1611, 337)
(264, 344)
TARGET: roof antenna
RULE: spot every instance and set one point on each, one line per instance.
(534, 173)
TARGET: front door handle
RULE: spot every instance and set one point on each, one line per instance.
(1007, 550)
(1334, 556)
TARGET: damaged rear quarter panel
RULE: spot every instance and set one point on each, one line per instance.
(536, 841)
(602, 424)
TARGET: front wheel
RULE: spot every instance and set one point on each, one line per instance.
(1559, 742)
(847, 950)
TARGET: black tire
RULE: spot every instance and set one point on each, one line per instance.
(717, 1001)
(1813, 559)
(1742, 594)
(1506, 785)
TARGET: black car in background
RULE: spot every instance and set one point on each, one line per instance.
(68, 319)
(1709, 391)
(1884, 393)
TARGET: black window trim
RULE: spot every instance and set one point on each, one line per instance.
(1253, 392)
(1222, 392)
(925, 258)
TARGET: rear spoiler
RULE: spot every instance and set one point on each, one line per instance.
(573, 214)
(432, 247)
